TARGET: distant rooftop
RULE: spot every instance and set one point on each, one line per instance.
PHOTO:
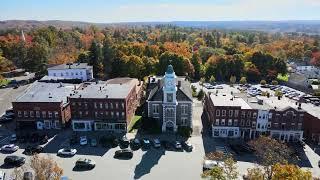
(70, 66)
(47, 92)
(221, 99)
(117, 88)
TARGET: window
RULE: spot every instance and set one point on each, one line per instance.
(253, 124)
(283, 125)
(122, 105)
(67, 74)
(184, 109)
(242, 122)
(155, 108)
(223, 122)
(61, 74)
(96, 114)
(254, 115)
(37, 114)
(19, 114)
(106, 105)
(117, 105)
(49, 114)
(269, 124)
(80, 73)
(80, 113)
(236, 113)
(107, 113)
(249, 114)
(54, 74)
(101, 106)
(79, 103)
(243, 114)
(25, 114)
(44, 114)
(224, 112)
(276, 125)
(235, 122)
(258, 125)
(76, 73)
(230, 122)
(112, 114)
(56, 114)
(111, 105)
(217, 122)
(122, 114)
(73, 103)
(248, 123)
(31, 114)
(169, 97)
(270, 115)
(117, 114)
(299, 126)
(86, 105)
(183, 121)
(230, 113)
(95, 105)
(72, 74)
(217, 112)
(86, 113)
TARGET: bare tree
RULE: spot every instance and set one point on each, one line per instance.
(45, 168)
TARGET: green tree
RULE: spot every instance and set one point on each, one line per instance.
(195, 60)
(212, 80)
(243, 80)
(178, 62)
(216, 173)
(200, 95)
(96, 56)
(233, 80)
(263, 82)
(108, 56)
(202, 81)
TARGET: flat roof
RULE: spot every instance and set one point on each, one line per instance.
(70, 66)
(47, 92)
(118, 88)
(221, 99)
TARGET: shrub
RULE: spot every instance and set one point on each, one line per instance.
(274, 82)
(263, 82)
(200, 95)
(184, 131)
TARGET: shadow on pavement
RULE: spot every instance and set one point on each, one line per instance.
(148, 161)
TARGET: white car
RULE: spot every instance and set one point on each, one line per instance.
(209, 164)
(2, 175)
(83, 140)
(156, 143)
(177, 145)
(67, 152)
(9, 148)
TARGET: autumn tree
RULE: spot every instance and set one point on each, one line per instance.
(212, 80)
(289, 171)
(270, 152)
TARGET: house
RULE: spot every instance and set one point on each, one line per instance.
(169, 101)
(239, 115)
(44, 106)
(72, 71)
(105, 106)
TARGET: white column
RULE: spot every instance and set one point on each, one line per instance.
(250, 134)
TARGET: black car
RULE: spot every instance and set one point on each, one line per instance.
(123, 153)
(124, 142)
(146, 144)
(187, 146)
(135, 144)
(14, 160)
(30, 150)
(4, 119)
(115, 142)
(166, 144)
(85, 163)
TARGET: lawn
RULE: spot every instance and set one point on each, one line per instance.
(136, 120)
(283, 78)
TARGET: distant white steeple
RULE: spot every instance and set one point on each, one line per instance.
(22, 36)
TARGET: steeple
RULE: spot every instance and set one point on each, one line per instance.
(169, 69)
(22, 36)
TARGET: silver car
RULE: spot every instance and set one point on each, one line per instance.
(9, 148)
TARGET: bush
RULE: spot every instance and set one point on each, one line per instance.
(274, 82)
(263, 82)
(184, 131)
(243, 80)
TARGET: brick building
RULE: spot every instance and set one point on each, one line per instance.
(43, 106)
(237, 115)
(105, 106)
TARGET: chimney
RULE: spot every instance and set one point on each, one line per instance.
(79, 95)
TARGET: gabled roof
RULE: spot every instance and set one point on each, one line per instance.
(183, 93)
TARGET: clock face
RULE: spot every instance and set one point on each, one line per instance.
(170, 83)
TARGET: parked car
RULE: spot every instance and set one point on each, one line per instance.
(219, 87)
(30, 150)
(210, 164)
(135, 144)
(156, 143)
(10, 113)
(5, 119)
(14, 160)
(166, 144)
(67, 152)
(124, 142)
(115, 142)
(177, 145)
(83, 140)
(93, 142)
(123, 153)
(13, 138)
(146, 143)
(85, 163)
(2, 175)
(9, 148)
(15, 86)
(187, 146)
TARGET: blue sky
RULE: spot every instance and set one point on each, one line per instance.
(159, 10)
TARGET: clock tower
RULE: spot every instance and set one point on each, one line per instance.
(169, 100)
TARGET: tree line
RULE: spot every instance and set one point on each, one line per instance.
(139, 51)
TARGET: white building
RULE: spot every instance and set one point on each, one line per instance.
(72, 71)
